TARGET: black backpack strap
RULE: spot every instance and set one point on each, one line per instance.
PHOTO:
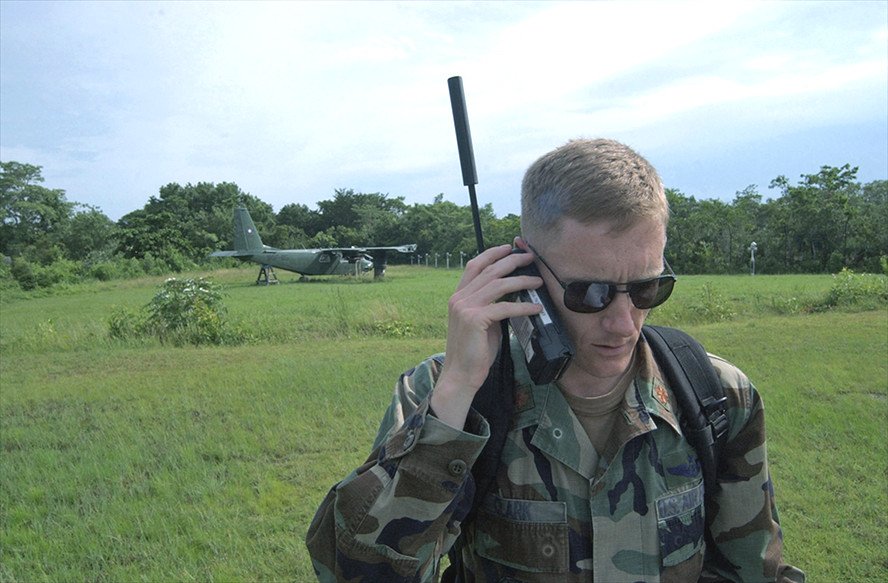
(698, 394)
(495, 401)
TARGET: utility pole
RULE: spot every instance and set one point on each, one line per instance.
(752, 248)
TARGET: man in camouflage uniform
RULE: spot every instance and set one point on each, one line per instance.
(596, 481)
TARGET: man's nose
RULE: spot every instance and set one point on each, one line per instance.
(619, 315)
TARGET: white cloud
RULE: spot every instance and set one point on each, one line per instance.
(294, 99)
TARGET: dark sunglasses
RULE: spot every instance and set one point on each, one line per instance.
(588, 297)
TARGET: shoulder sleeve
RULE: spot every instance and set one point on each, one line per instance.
(392, 518)
(745, 526)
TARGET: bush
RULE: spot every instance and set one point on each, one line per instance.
(124, 323)
(713, 306)
(186, 311)
(861, 290)
(108, 267)
(7, 281)
(104, 271)
(31, 276)
(60, 271)
(129, 267)
(23, 272)
(153, 266)
(835, 262)
(177, 262)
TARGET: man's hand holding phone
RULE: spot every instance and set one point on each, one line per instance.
(473, 327)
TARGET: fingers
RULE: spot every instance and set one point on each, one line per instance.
(478, 305)
(475, 311)
(503, 310)
(493, 266)
(488, 279)
(492, 257)
(473, 333)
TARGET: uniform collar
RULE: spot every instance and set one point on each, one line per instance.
(558, 432)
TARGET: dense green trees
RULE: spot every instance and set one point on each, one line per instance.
(34, 217)
(825, 222)
(183, 224)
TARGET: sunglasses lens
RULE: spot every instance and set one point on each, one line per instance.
(649, 294)
(588, 297)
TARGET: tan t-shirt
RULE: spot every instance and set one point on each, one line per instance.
(597, 415)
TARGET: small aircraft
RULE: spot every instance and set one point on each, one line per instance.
(331, 261)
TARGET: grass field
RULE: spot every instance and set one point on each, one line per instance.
(136, 461)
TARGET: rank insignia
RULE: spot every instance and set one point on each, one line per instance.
(523, 399)
(661, 395)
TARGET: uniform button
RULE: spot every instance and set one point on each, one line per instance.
(457, 468)
(409, 439)
(557, 433)
(548, 550)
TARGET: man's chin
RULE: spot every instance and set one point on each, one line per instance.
(604, 368)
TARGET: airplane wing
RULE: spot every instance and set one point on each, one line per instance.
(401, 248)
(231, 253)
(244, 252)
(354, 251)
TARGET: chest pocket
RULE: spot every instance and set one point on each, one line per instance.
(680, 524)
(526, 535)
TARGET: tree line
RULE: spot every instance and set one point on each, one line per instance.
(824, 222)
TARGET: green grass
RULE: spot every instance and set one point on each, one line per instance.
(824, 381)
(182, 464)
(131, 460)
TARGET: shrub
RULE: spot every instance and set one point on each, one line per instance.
(128, 267)
(153, 266)
(184, 311)
(176, 261)
(835, 262)
(23, 272)
(7, 281)
(861, 290)
(106, 268)
(30, 275)
(713, 306)
(60, 271)
(104, 271)
(124, 323)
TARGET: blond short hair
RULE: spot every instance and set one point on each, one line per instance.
(590, 181)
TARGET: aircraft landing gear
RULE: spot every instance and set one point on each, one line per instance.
(266, 276)
(380, 261)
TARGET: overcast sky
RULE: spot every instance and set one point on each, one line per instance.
(292, 100)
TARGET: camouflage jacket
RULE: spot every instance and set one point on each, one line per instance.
(558, 511)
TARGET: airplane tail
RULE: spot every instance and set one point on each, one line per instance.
(246, 237)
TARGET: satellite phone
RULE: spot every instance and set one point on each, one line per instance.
(543, 338)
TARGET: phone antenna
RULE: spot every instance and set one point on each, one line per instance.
(466, 153)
